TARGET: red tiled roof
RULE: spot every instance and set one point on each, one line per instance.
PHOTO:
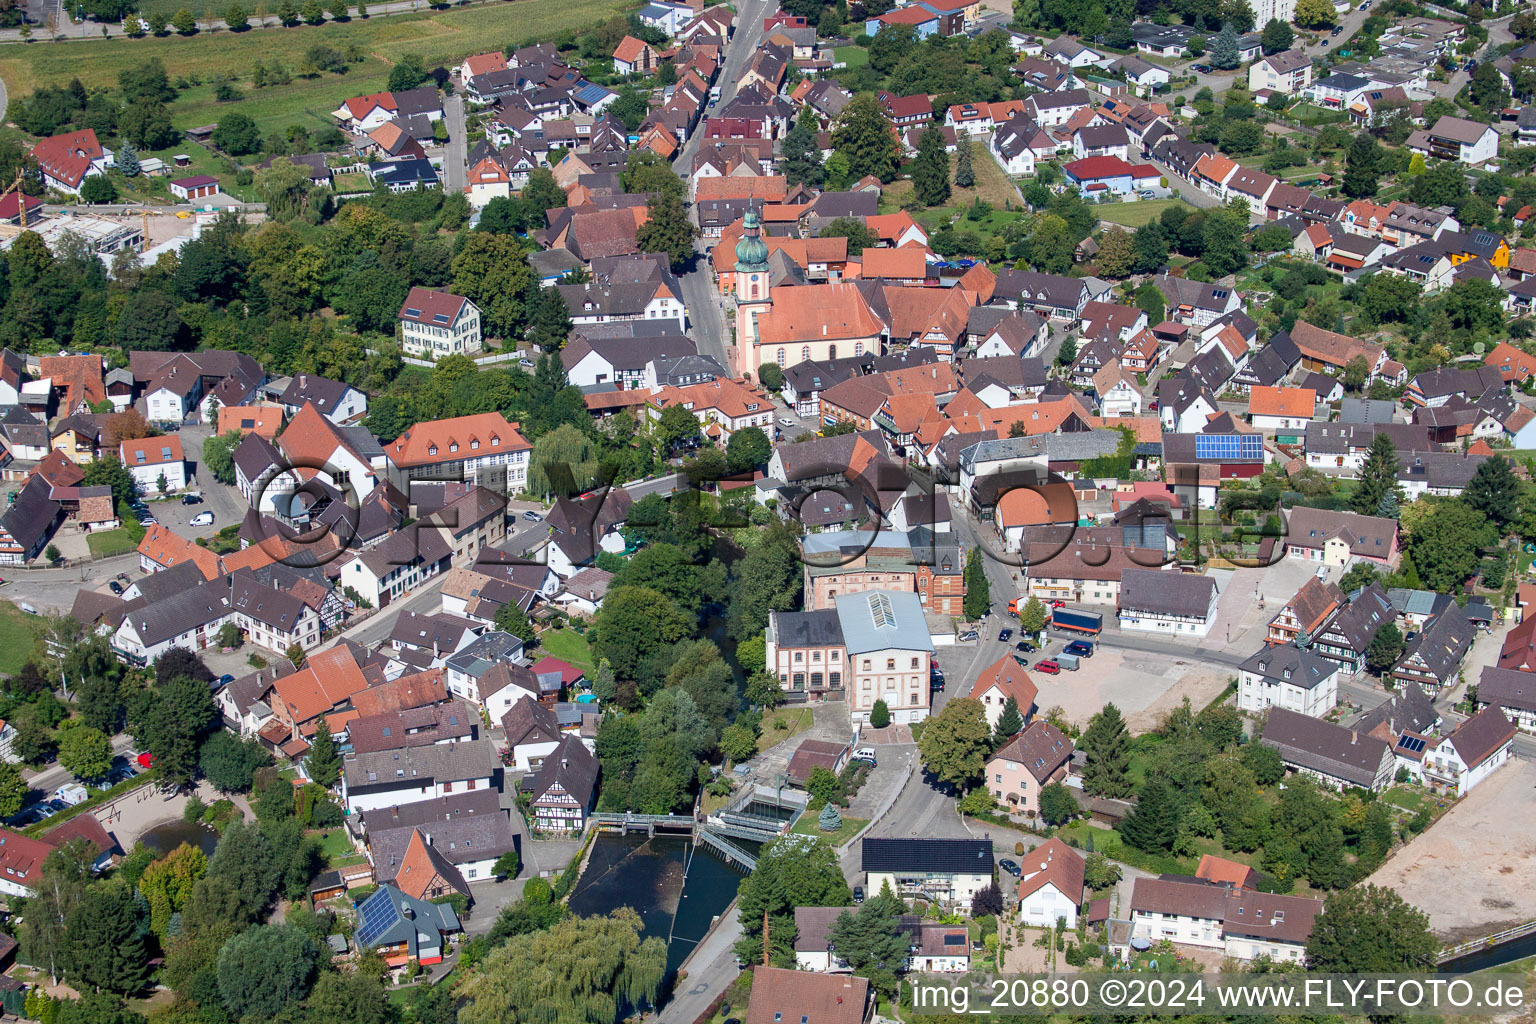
(430, 308)
(460, 437)
(67, 157)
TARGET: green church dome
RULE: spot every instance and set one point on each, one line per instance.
(751, 251)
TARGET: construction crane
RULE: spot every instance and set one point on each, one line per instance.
(21, 197)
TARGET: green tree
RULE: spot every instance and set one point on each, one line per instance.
(792, 871)
(1056, 804)
(1494, 491)
(493, 272)
(879, 715)
(13, 789)
(1226, 241)
(357, 997)
(549, 320)
(1378, 475)
(219, 455)
(965, 174)
(236, 18)
(1371, 929)
(323, 765)
(873, 941)
(1277, 36)
(167, 884)
(930, 170)
(1010, 721)
(1051, 246)
(1362, 166)
(770, 376)
(667, 230)
(864, 138)
(1100, 872)
(183, 22)
(170, 722)
(599, 964)
(264, 969)
(1107, 744)
(633, 623)
(229, 763)
(105, 948)
(1117, 254)
(1385, 648)
(1487, 88)
(747, 448)
(98, 188)
(1224, 52)
(1445, 539)
(1149, 299)
(956, 742)
(978, 589)
(852, 228)
(1315, 14)
(86, 752)
(1154, 822)
(128, 161)
(409, 72)
(1033, 616)
(237, 135)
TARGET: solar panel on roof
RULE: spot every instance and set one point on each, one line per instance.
(378, 914)
(412, 311)
(1412, 744)
(441, 318)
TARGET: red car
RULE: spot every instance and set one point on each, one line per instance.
(1049, 667)
(1058, 604)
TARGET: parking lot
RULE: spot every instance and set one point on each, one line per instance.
(46, 802)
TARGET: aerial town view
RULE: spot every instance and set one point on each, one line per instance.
(699, 512)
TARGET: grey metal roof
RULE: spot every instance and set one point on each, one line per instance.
(808, 629)
(420, 766)
(878, 620)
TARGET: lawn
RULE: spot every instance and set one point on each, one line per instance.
(18, 635)
(334, 845)
(992, 186)
(569, 646)
(807, 826)
(1107, 842)
(1405, 797)
(797, 719)
(853, 56)
(107, 543)
(440, 37)
(1138, 214)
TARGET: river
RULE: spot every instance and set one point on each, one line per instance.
(676, 889)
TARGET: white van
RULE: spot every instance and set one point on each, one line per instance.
(865, 753)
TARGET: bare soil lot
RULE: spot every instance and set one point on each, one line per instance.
(1470, 872)
(1143, 686)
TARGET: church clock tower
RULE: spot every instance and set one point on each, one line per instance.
(752, 289)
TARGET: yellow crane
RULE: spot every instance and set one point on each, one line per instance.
(21, 197)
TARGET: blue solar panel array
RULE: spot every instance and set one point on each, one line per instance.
(378, 915)
(1229, 447)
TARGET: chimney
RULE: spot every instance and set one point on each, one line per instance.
(303, 380)
(565, 762)
(428, 837)
(1353, 736)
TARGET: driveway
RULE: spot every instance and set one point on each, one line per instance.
(456, 152)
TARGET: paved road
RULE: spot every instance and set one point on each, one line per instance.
(711, 968)
(43, 783)
(748, 37)
(455, 159)
(706, 316)
(660, 485)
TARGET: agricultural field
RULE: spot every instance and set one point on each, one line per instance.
(440, 37)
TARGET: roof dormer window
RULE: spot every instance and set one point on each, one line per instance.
(453, 446)
(432, 450)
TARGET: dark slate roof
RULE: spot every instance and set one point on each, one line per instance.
(1168, 593)
(808, 629)
(1321, 746)
(573, 767)
(1297, 667)
(942, 856)
(1505, 687)
(1443, 642)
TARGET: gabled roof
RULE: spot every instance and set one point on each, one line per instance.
(1009, 676)
(459, 438)
(1041, 748)
(422, 865)
(1480, 736)
(1053, 862)
(939, 856)
(1324, 747)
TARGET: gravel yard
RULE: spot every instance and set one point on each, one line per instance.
(1143, 686)
(1470, 871)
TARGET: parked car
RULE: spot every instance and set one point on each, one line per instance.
(532, 516)
(785, 421)
(115, 587)
(1081, 648)
(1005, 635)
(858, 894)
(1147, 193)
(203, 519)
(191, 499)
(936, 685)
(1010, 867)
(969, 634)
(1048, 666)
(1057, 604)
(1201, 69)
(1025, 646)
(226, 679)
